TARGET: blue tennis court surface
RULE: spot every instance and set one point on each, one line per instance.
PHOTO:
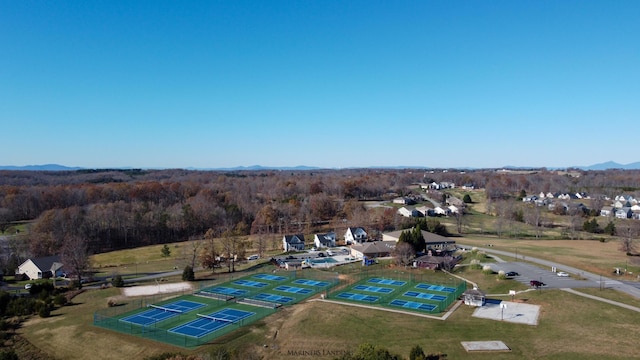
(358, 297)
(270, 277)
(273, 298)
(387, 282)
(226, 291)
(421, 295)
(412, 305)
(311, 282)
(435, 288)
(250, 283)
(375, 289)
(293, 289)
(211, 322)
(154, 315)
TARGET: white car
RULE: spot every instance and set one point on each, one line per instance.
(562, 274)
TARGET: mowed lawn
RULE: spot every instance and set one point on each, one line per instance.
(570, 327)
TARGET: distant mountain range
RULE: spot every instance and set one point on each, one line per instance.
(55, 167)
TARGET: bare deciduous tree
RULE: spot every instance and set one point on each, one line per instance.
(75, 256)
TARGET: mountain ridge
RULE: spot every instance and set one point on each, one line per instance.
(57, 167)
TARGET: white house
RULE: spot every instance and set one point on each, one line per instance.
(293, 242)
(355, 235)
(606, 211)
(325, 240)
(409, 212)
(41, 268)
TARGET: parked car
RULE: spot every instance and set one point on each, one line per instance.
(562, 274)
(512, 273)
(321, 254)
(536, 283)
(330, 253)
(290, 257)
(253, 257)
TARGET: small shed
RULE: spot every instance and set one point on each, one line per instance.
(474, 297)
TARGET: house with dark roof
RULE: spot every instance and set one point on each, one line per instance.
(355, 235)
(293, 242)
(325, 240)
(41, 268)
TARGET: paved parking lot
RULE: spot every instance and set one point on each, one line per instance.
(530, 272)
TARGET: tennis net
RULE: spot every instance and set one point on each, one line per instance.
(213, 318)
(165, 309)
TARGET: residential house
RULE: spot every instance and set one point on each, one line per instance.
(624, 213)
(606, 211)
(41, 268)
(453, 209)
(409, 212)
(424, 210)
(293, 242)
(355, 235)
(404, 201)
(325, 240)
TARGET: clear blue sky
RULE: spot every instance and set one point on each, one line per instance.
(207, 84)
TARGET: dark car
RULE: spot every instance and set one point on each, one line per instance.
(536, 283)
(320, 254)
(512, 273)
(290, 257)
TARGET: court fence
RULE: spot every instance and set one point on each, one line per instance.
(111, 317)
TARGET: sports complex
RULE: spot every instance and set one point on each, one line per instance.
(192, 319)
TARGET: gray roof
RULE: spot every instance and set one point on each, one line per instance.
(47, 263)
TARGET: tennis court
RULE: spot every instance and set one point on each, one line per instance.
(375, 289)
(250, 283)
(311, 282)
(427, 296)
(206, 324)
(270, 277)
(160, 313)
(412, 305)
(358, 297)
(387, 282)
(225, 290)
(273, 298)
(293, 289)
(435, 288)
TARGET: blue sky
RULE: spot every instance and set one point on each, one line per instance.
(206, 84)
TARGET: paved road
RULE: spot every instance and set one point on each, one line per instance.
(590, 279)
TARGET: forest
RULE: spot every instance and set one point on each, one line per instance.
(123, 208)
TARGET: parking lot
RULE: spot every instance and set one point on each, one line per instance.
(528, 272)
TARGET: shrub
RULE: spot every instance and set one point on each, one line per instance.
(112, 303)
(44, 311)
(60, 300)
(117, 281)
(187, 274)
(502, 275)
(487, 270)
